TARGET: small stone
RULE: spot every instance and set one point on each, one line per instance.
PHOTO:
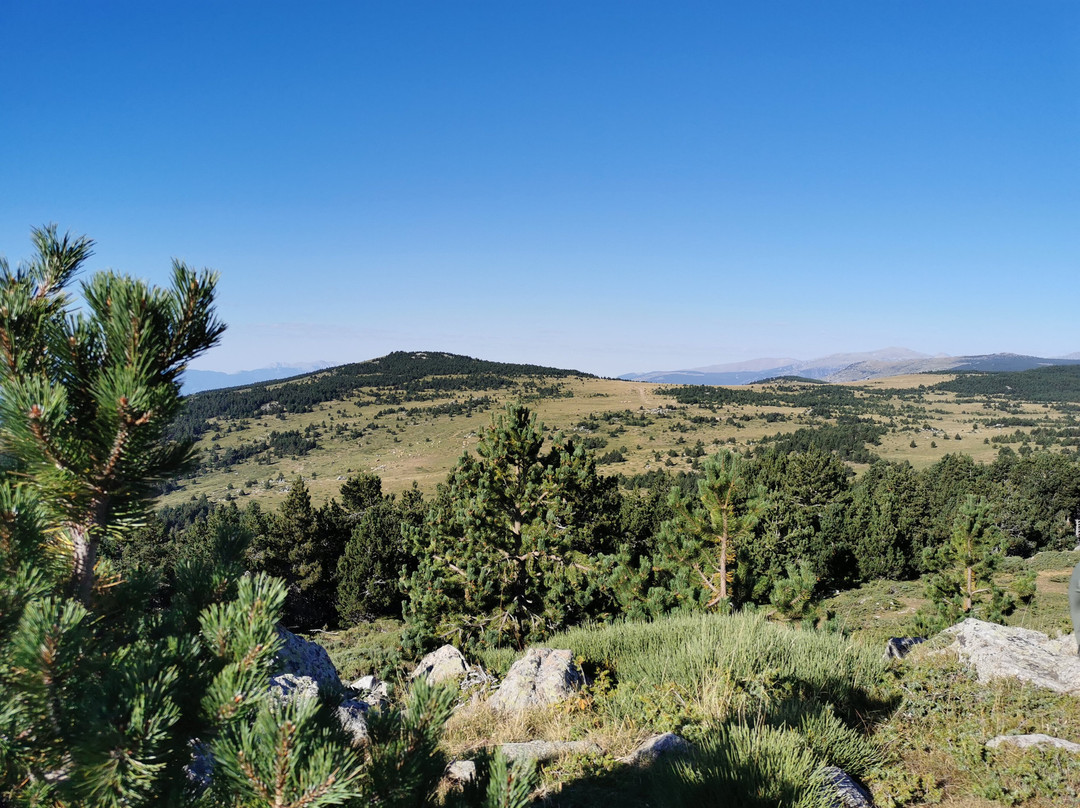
(898, 647)
(461, 771)
(352, 713)
(366, 683)
(849, 794)
(542, 751)
(657, 746)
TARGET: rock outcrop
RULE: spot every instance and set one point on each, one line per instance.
(306, 672)
(302, 657)
(543, 676)
(543, 751)
(1007, 652)
(1037, 740)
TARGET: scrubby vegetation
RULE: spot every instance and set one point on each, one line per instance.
(699, 598)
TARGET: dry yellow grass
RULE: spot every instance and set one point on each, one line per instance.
(423, 449)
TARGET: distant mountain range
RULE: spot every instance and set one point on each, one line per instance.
(195, 381)
(848, 367)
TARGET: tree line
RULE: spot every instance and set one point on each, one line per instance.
(526, 537)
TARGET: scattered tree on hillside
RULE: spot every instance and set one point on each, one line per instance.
(965, 585)
(505, 550)
(708, 528)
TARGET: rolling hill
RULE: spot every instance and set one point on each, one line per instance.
(408, 417)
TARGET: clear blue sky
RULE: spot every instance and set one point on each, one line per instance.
(611, 186)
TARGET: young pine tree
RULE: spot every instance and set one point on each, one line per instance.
(965, 585)
(506, 551)
(699, 545)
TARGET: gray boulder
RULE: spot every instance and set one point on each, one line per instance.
(847, 792)
(461, 771)
(543, 676)
(441, 665)
(543, 751)
(289, 686)
(1007, 652)
(1037, 740)
(302, 657)
(667, 743)
(352, 714)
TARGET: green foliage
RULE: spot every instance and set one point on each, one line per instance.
(887, 521)
(738, 663)
(1050, 384)
(767, 706)
(808, 504)
(793, 596)
(965, 585)
(510, 784)
(375, 557)
(85, 401)
(847, 440)
(506, 550)
(745, 766)
(301, 545)
(936, 739)
(707, 530)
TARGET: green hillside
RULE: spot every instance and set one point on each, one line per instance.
(408, 416)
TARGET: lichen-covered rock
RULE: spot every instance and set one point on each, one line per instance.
(305, 658)
(667, 743)
(352, 713)
(1034, 740)
(543, 751)
(847, 792)
(289, 686)
(543, 676)
(441, 665)
(1007, 652)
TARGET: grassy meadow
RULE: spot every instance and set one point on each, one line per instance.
(768, 703)
(415, 442)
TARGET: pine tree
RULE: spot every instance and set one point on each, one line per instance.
(376, 557)
(85, 401)
(301, 545)
(506, 551)
(699, 545)
(965, 585)
(104, 701)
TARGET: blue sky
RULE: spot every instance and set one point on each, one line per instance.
(611, 186)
